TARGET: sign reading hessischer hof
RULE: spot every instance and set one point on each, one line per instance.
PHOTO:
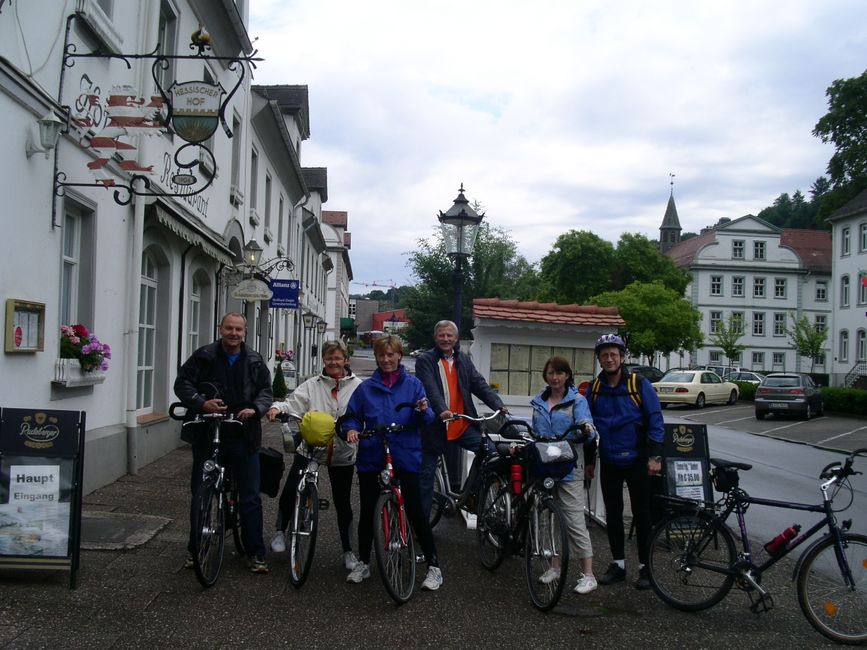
(40, 487)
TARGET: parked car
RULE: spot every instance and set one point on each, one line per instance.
(418, 352)
(789, 392)
(652, 373)
(745, 375)
(698, 387)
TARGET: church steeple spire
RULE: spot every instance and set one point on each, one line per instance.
(669, 231)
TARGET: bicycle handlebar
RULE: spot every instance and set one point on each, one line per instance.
(469, 418)
(522, 431)
(842, 470)
(178, 411)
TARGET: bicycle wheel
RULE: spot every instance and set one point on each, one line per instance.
(689, 560)
(439, 491)
(233, 520)
(546, 549)
(209, 533)
(395, 549)
(302, 533)
(492, 521)
(836, 609)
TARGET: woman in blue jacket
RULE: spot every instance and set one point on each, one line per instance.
(555, 409)
(373, 404)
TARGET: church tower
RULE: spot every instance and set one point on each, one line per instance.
(669, 231)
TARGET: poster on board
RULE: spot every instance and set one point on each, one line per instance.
(686, 463)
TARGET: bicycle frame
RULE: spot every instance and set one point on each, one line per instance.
(389, 483)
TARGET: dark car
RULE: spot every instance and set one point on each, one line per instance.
(653, 374)
(788, 393)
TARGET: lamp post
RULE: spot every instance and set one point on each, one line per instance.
(459, 225)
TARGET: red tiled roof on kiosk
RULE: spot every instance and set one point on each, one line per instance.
(546, 312)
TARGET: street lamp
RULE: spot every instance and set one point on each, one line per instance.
(321, 326)
(309, 320)
(459, 225)
(252, 253)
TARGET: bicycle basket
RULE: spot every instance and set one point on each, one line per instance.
(555, 459)
(317, 428)
(725, 478)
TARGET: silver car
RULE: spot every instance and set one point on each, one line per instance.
(788, 392)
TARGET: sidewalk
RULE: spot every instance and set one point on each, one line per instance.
(133, 593)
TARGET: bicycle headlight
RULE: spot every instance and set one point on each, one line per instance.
(385, 477)
(548, 483)
(209, 466)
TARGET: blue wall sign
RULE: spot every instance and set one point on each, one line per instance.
(285, 294)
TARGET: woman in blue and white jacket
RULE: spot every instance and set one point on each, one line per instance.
(555, 409)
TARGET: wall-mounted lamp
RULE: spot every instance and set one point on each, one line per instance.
(321, 326)
(50, 127)
(252, 253)
(309, 320)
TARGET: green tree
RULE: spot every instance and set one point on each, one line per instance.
(807, 339)
(579, 265)
(728, 336)
(278, 386)
(845, 125)
(658, 319)
(637, 259)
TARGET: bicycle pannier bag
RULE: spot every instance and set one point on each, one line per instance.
(271, 468)
(725, 479)
(317, 428)
(555, 459)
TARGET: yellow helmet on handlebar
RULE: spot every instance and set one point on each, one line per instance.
(317, 428)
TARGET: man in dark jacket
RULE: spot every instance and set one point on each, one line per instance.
(450, 380)
(243, 384)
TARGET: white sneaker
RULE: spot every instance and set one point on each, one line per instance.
(433, 580)
(585, 585)
(278, 544)
(359, 572)
(550, 576)
(349, 560)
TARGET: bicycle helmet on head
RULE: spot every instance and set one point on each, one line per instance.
(607, 340)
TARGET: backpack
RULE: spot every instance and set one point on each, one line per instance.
(631, 386)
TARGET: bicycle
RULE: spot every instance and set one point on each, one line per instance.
(445, 501)
(304, 527)
(216, 504)
(693, 562)
(393, 538)
(517, 512)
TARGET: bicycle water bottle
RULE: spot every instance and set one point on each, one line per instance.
(517, 478)
(778, 544)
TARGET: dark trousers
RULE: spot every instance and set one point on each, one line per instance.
(368, 494)
(244, 466)
(340, 478)
(638, 482)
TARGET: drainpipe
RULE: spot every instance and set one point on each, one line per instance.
(181, 304)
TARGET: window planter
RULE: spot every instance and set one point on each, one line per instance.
(68, 372)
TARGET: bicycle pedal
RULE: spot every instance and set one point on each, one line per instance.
(324, 504)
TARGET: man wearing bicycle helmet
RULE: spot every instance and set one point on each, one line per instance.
(628, 416)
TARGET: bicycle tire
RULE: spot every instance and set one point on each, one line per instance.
(492, 522)
(209, 533)
(234, 521)
(395, 548)
(439, 492)
(302, 534)
(546, 541)
(688, 561)
(834, 609)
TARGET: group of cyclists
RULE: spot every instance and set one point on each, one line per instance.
(625, 413)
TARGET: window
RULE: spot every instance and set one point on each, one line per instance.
(821, 291)
(821, 322)
(738, 286)
(758, 250)
(194, 316)
(738, 249)
(861, 345)
(862, 288)
(758, 360)
(280, 210)
(106, 6)
(845, 244)
(862, 238)
(843, 351)
(716, 356)
(758, 323)
(236, 152)
(517, 369)
(267, 201)
(844, 291)
(716, 285)
(167, 38)
(758, 287)
(737, 322)
(779, 358)
(76, 275)
(715, 320)
(146, 333)
(820, 360)
(254, 178)
(779, 287)
(779, 324)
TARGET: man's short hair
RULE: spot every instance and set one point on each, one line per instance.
(236, 314)
(446, 323)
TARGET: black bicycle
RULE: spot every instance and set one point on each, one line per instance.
(216, 504)
(693, 560)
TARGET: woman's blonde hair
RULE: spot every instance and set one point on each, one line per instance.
(334, 346)
(390, 341)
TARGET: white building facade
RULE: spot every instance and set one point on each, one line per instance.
(149, 266)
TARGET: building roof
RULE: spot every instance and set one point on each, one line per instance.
(292, 99)
(812, 246)
(335, 217)
(856, 205)
(670, 219)
(546, 312)
(316, 179)
(683, 252)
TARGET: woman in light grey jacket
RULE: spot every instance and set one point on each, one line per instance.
(328, 392)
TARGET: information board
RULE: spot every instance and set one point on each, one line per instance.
(686, 461)
(41, 470)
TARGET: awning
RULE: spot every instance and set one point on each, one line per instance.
(191, 234)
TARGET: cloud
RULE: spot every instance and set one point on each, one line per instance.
(557, 115)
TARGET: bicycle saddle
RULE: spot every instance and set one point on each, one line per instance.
(725, 464)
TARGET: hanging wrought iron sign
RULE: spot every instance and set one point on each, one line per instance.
(193, 109)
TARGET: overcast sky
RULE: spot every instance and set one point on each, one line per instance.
(556, 115)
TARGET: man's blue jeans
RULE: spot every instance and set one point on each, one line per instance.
(470, 441)
(245, 470)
